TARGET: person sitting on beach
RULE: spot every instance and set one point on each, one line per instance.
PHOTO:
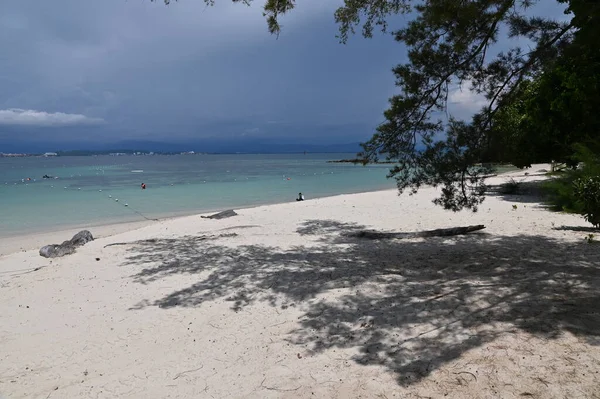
(300, 197)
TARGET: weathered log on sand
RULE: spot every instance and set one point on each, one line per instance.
(221, 215)
(378, 235)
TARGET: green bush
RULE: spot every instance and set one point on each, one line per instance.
(577, 190)
(511, 187)
(587, 192)
(560, 196)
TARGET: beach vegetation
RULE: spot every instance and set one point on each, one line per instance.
(587, 191)
(591, 239)
(577, 190)
(511, 187)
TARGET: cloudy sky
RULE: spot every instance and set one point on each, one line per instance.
(109, 70)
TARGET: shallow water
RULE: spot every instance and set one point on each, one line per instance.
(87, 188)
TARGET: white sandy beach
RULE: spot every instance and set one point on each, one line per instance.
(277, 303)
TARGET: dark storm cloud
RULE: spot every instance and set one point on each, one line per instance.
(147, 71)
(185, 70)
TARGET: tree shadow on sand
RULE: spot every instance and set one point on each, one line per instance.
(410, 305)
(522, 191)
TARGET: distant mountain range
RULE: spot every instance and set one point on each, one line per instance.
(206, 146)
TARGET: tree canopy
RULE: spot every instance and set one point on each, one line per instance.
(554, 110)
(540, 99)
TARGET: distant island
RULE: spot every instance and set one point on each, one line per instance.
(359, 160)
(87, 153)
(239, 145)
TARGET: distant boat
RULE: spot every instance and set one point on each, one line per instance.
(137, 171)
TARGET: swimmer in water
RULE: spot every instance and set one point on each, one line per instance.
(143, 186)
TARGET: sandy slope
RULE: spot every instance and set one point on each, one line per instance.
(276, 302)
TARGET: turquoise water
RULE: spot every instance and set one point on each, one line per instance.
(86, 189)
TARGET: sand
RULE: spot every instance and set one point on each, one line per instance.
(278, 303)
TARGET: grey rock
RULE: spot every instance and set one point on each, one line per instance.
(82, 238)
(67, 247)
(55, 251)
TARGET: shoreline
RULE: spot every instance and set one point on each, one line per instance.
(26, 241)
(36, 238)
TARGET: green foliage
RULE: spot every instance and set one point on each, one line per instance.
(578, 190)
(511, 187)
(591, 239)
(540, 102)
(554, 110)
(509, 138)
(559, 194)
(587, 192)
(448, 42)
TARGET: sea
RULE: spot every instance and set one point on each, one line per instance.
(88, 191)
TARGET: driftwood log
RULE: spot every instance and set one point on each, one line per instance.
(378, 235)
(221, 215)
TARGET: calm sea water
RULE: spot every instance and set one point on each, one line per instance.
(86, 188)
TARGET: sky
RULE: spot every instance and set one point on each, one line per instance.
(106, 71)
